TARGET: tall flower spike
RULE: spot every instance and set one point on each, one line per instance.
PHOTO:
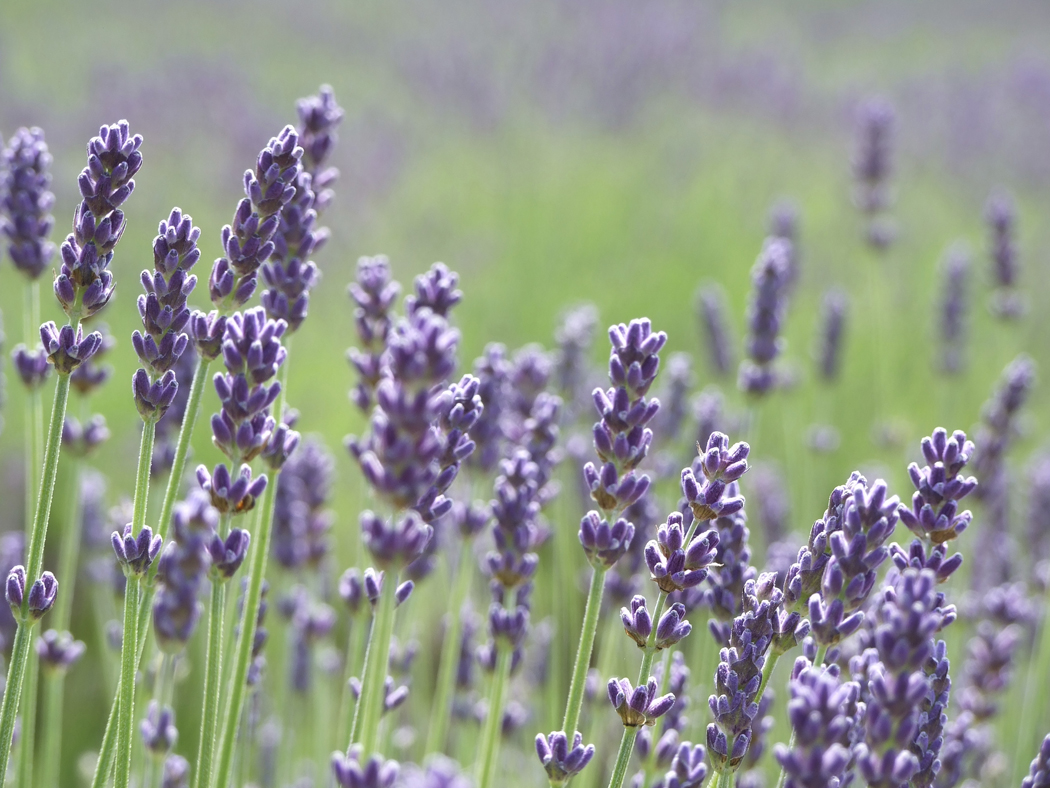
(720, 465)
(1001, 216)
(26, 201)
(711, 306)
(872, 167)
(954, 309)
(84, 284)
(765, 317)
(834, 311)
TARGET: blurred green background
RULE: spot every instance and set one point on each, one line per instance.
(558, 152)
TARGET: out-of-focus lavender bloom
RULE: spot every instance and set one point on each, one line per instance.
(436, 290)
(301, 518)
(530, 375)
(440, 772)
(374, 293)
(825, 714)
(374, 773)
(572, 369)
(167, 428)
(1039, 771)
(492, 369)
(728, 575)
(561, 760)
(638, 706)
(87, 378)
(176, 772)
(31, 366)
(312, 621)
(828, 351)
(84, 284)
(12, 553)
(711, 308)
(954, 306)
(772, 505)
(80, 440)
(720, 465)
(158, 730)
(1039, 507)
(783, 223)
(319, 117)
(988, 668)
(1001, 215)
(999, 428)
(248, 241)
(765, 316)
(688, 769)
(58, 651)
(872, 167)
(675, 405)
(709, 412)
(908, 616)
(26, 201)
(181, 572)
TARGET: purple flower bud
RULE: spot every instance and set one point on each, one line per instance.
(228, 494)
(604, 544)
(374, 773)
(41, 596)
(638, 706)
(80, 441)
(228, 555)
(136, 553)
(58, 651)
(153, 398)
(68, 350)
(561, 761)
(674, 565)
(31, 366)
(159, 733)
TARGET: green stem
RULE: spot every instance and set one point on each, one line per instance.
(243, 655)
(27, 742)
(767, 672)
(51, 749)
(441, 711)
(105, 754)
(583, 651)
(9, 706)
(649, 767)
(212, 672)
(490, 738)
(623, 757)
(128, 664)
(370, 705)
(1034, 688)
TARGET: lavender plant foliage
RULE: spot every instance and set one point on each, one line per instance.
(26, 201)
(1001, 217)
(84, 283)
(765, 316)
(954, 307)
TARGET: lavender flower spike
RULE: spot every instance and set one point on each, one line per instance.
(67, 349)
(721, 465)
(561, 761)
(675, 565)
(1001, 215)
(765, 316)
(42, 594)
(1039, 771)
(933, 515)
(58, 651)
(638, 706)
(710, 302)
(954, 306)
(834, 311)
(26, 201)
(136, 553)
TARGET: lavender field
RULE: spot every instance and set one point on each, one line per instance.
(719, 436)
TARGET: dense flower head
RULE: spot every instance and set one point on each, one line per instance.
(603, 543)
(228, 554)
(42, 593)
(158, 730)
(26, 201)
(933, 515)
(828, 352)
(182, 569)
(1001, 217)
(435, 290)
(153, 397)
(1039, 771)
(67, 349)
(350, 772)
(58, 650)
(729, 572)
(765, 315)
(395, 541)
(640, 705)
(84, 284)
(31, 365)
(136, 553)
(228, 493)
(710, 302)
(720, 465)
(561, 760)
(675, 565)
(670, 629)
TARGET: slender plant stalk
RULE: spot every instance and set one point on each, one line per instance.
(1034, 688)
(126, 707)
(441, 711)
(19, 654)
(623, 757)
(649, 767)
(260, 548)
(583, 651)
(212, 674)
(365, 729)
(494, 720)
(51, 747)
(27, 742)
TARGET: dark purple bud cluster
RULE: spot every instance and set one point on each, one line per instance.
(907, 618)
(933, 717)
(828, 352)
(68, 349)
(872, 167)
(31, 366)
(252, 353)
(82, 439)
(42, 594)
(435, 290)
(58, 651)
(711, 307)
(181, 572)
(319, 116)
(670, 629)
(84, 284)
(26, 201)
(248, 241)
(228, 554)
(374, 773)
(720, 465)
(729, 573)
(228, 494)
(1001, 216)
(530, 374)
(561, 760)
(676, 564)
(176, 773)
(638, 706)
(604, 544)
(397, 541)
(374, 293)
(954, 308)
(301, 519)
(734, 703)
(136, 553)
(158, 730)
(765, 317)
(933, 515)
(825, 714)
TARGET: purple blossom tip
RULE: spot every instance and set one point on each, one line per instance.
(561, 760)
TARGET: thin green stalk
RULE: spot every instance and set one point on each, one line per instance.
(1034, 687)
(27, 741)
(583, 652)
(493, 722)
(109, 739)
(9, 707)
(623, 757)
(51, 748)
(128, 664)
(649, 767)
(260, 548)
(365, 728)
(212, 672)
(441, 711)
(767, 672)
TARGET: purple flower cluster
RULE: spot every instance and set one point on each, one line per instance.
(492, 370)
(872, 167)
(301, 519)
(765, 317)
(1001, 216)
(954, 306)
(374, 293)
(729, 573)
(572, 369)
(710, 302)
(833, 314)
(26, 201)
(181, 572)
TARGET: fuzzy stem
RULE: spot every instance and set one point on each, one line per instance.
(494, 721)
(767, 672)
(583, 652)
(623, 757)
(8, 709)
(370, 705)
(212, 672)
(105, 753)
(27, 742)
(128, 664)
(245, 641)
(441, 711)
(1034, 688)
(51, 748)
